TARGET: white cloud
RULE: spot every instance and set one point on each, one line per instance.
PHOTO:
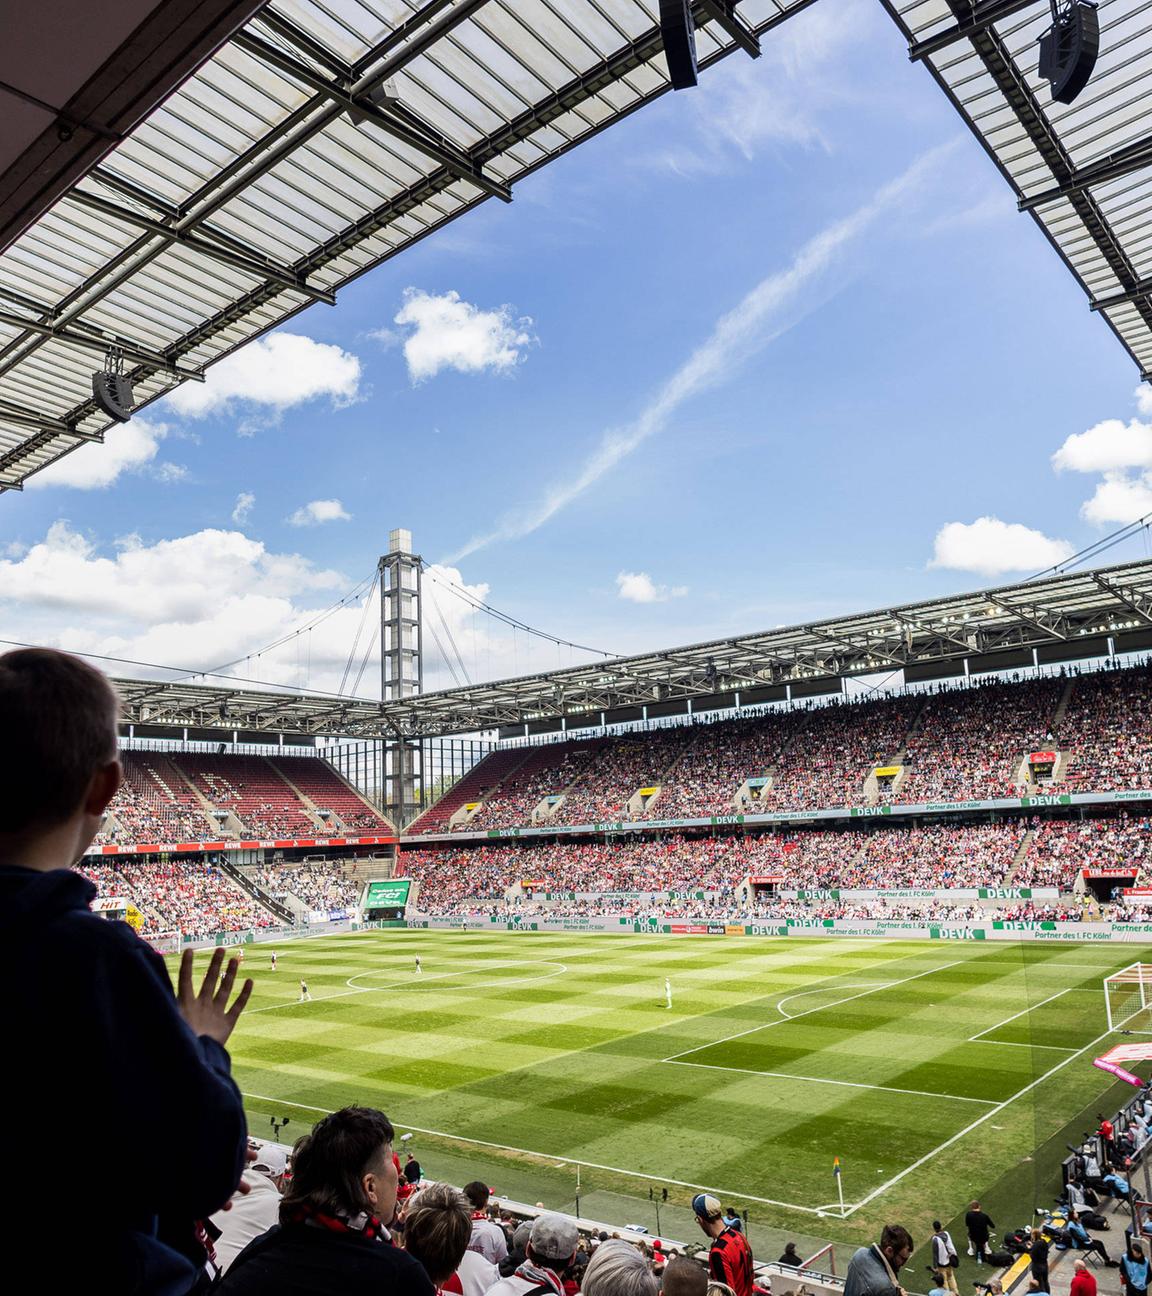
(772, 307)
(1106, 447)
(991, 547)
(1143, 396)
(274, 372)
(245, 502)
(448, 333)
(128, 448)
(639, 587)
(1119, 498)
(317, 511)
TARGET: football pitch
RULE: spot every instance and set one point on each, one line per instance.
(931, 1069)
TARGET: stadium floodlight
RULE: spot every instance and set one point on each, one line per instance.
(111, 389)
(1069, 48)
(678, 31)
(379, 96)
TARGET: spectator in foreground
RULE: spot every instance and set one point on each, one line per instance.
(92, 1011)
(330, 1237)
(437, 1230)
(487, 1236)
(253, 1212)
(729, 1256)
(1039, 1253)
(516, 1257)
(872, 1270)
(618, 1269)
(790, 1257)
(937, 1288)
(684, 1277)
(552, 1244)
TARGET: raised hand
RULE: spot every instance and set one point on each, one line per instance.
(206, 1010)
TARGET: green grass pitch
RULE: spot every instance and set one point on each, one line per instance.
(929, 1068)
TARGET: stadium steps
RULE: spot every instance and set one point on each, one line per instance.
(165, 774)
(475, 785)
(225, 865)
(308, 804)
(355, 791)
(1021, 855)
(1062, 705)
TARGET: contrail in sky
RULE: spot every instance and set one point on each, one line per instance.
(770, 309)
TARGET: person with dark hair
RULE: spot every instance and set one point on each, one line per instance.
(872, 1270)
(1134, 1270)
(487, 1236)
(331, 1236)
(96, 1022)
(790, 1256)
(729, 1256)
(1038, 1250)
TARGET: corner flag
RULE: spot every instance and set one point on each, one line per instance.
(839, 1186)
(836, 1166)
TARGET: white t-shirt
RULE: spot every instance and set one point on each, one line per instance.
(476, 1274)
(251, 1214)
(488, 1238)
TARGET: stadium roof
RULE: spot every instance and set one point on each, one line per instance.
(1061, 618)
(1084, 170)
(319, 141)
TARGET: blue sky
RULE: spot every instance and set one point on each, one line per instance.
(765, 352)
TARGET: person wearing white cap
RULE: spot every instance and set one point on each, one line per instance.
(255, 1211)
(552, 1246)
(730, 1256)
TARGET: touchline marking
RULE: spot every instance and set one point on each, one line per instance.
(847, 1084)
(974, 1125)
(550, 1156)
(808, 1011)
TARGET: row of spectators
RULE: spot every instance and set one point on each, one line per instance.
(952, 744)
(324, 887)
(196, 898)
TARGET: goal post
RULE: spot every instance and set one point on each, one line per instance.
(1127, 995)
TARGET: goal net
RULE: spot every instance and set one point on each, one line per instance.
(1128, 999)
(167, 942)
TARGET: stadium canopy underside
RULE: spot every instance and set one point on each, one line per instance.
(1060, 619)
(321, 140)
(1083, 170)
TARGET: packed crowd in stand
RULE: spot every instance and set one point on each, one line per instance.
(323, 887)
(954, 744)
(193, 898)
(1062, 848)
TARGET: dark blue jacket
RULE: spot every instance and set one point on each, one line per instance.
(116, 1115)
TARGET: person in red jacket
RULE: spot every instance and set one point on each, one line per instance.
(1083, 1283)
(730, 1256)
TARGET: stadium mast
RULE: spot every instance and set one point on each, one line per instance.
(401, 671)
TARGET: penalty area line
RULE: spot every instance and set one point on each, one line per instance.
(550, 1156)
(783, 1021)
(847, 1084)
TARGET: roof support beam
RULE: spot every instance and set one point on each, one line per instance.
(1035, 617)
(10, 413)
(981, 17)
(723, 14)
(252, 264)
(1139, 291)
(304, 43)
(143, 355)
(1134, 157)
(1132, 599)
(355, 101)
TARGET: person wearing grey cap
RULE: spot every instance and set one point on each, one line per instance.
(515, 1258)
(552, 1243)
